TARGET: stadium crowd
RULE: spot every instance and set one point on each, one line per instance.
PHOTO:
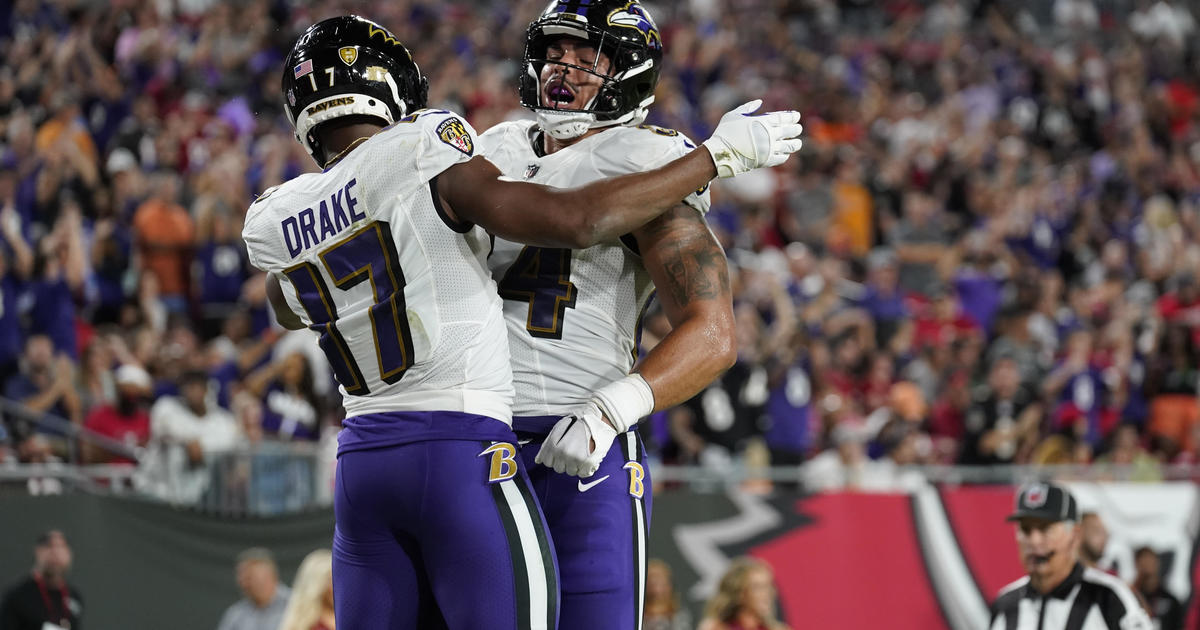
(987, 252)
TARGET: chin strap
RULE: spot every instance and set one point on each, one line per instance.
(569, 125)
(564, 125)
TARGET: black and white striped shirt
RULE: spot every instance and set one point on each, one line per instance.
(1087, 600)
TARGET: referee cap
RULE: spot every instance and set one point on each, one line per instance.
(1045, 501)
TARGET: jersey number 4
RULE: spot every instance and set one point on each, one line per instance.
(541, 277)
(369, 254)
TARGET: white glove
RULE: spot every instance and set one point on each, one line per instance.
(568, 448)
(744, 141)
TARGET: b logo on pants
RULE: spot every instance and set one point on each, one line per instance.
(504, 461)
(636, 474)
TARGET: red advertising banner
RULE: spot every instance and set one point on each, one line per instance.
(930, 560)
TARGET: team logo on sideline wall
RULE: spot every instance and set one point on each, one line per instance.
(503, 464)
(349, 55)
(453, 132)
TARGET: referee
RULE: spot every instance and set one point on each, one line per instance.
(1060, 593)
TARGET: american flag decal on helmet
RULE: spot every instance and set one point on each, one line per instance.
(304, 68)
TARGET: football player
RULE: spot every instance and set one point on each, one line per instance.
(382, 254)
(573, 316)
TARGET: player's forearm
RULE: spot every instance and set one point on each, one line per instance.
(575, 218)
(283, 312)
(693, 355)
(613, 207)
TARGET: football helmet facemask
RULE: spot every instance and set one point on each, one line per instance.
(348, 66)
(621, 29)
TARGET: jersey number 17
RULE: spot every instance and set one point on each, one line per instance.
(368, 254)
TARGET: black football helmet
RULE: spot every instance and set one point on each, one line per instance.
(621, 29)
(348, 66)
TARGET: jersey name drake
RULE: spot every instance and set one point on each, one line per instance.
(312, 226)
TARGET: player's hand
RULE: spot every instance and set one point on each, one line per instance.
(744, 141)
(578, 442)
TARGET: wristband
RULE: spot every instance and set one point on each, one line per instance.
(626, 401)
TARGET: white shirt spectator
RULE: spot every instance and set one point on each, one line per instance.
(168, 471)
(1076, 15)
(1170, 21)
(244, 615)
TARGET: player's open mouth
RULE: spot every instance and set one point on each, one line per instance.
(559, 93)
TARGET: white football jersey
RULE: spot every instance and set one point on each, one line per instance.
(573, 317)
(407, 311)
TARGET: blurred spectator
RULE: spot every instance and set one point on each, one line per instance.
(264, 598)
(809, 208)
(745, 599)
(730, 411)
(1164, 20)
(1126, 451)
(1165, 609)
(853, 215)
(662, 609)
(792, 420)
(220, 269)
(1015, 340)
(1093, 540)
(1002, 423)
(186, 433)
(125, 421)
(15, 269)
(921, 242)
(883, 299)
(59, 273)
(845, 465)
(45, 600)
(310, 606)
(164, 233)
(1078, 386)
(1076, 15)
(45, 385)
(291, 410)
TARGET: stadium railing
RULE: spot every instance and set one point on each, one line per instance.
(69, 437)
(275, 479)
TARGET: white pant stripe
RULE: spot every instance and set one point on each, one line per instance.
(539, 604)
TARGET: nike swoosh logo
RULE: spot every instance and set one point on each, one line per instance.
(584, 487)
(568, 430)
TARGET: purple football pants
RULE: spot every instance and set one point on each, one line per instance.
(599, 526)
(440, 534)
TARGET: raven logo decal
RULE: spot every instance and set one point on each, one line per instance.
(632, 15)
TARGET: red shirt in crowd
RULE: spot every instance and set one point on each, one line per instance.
(132, 429)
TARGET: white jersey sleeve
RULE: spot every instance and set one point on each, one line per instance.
(400, 294)
(648, 147)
